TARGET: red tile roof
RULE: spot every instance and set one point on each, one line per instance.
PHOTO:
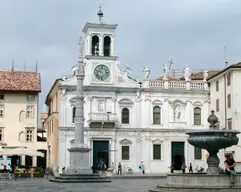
(19, 81)
(199, 76)
(169, 78)
(237, 65)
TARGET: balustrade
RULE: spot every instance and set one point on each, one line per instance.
(178, 85)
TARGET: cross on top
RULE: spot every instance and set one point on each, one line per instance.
(170, 62)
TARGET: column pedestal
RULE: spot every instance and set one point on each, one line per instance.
(79, 161)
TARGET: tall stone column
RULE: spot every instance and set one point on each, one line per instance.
(79, 152)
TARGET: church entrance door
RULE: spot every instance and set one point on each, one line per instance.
(100, 154)
(178, 156)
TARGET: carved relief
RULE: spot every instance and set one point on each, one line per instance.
(63, 91)
(113, 99)
(147, 98)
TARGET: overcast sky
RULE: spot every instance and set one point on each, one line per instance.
(149, 33)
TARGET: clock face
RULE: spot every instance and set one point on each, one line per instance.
(102, 72)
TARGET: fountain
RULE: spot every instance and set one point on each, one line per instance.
(212, 140)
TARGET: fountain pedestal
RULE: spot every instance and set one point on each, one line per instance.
(213, 164)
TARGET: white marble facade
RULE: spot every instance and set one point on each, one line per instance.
(159, 111)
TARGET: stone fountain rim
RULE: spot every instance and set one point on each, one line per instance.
(211, 131)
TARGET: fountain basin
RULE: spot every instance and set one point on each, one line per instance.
(213, 140)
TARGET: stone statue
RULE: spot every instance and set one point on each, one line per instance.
(101, 106)
(166, 71)
(96, 49)
(177, 113)
(147, 72)
(187, 73)
(205, 75)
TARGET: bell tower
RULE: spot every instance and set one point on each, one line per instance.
(99, 38)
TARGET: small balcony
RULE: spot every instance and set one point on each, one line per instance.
(102, 120)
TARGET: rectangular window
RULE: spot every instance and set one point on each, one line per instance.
(1, 110)
(1, 134)
(125, 152)
(156, 152)
(30, 112)
(217, 85)
(230, 124)
(1, 96)
(217, 105)
(228, 80)
(29, 135)
(30, 98)
(229, 100)
(197, 153)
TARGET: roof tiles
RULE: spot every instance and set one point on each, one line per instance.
(19, 81)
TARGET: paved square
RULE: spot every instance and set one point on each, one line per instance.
(43, 185)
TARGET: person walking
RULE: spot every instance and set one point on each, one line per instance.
(119, 172)
(190, 168)
(183, 168)
(230, 164)
(142, 168)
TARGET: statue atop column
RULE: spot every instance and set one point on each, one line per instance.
(205, 75)
(187, 72)
(147, 72)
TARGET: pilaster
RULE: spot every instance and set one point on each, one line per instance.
(101, 45)
(112, 46)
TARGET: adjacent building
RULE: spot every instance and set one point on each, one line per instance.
(19, 95)
(127, 120)
(225, 96)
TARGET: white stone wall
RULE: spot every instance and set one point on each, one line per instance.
(140, 130)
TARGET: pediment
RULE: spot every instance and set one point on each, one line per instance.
(177, 101)
(126, 101)
(157, 141)
(197, 103)
(125, 142)
(157, 102)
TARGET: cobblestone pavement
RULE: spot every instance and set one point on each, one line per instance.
(43, 185)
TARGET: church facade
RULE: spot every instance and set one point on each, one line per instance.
(126, 120)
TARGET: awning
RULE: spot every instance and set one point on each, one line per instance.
(20, 151)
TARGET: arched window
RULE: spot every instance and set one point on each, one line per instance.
(197, 116)
(73, 114)
(156, 115)
(95, 45)
(107, 41)
(125, 116)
